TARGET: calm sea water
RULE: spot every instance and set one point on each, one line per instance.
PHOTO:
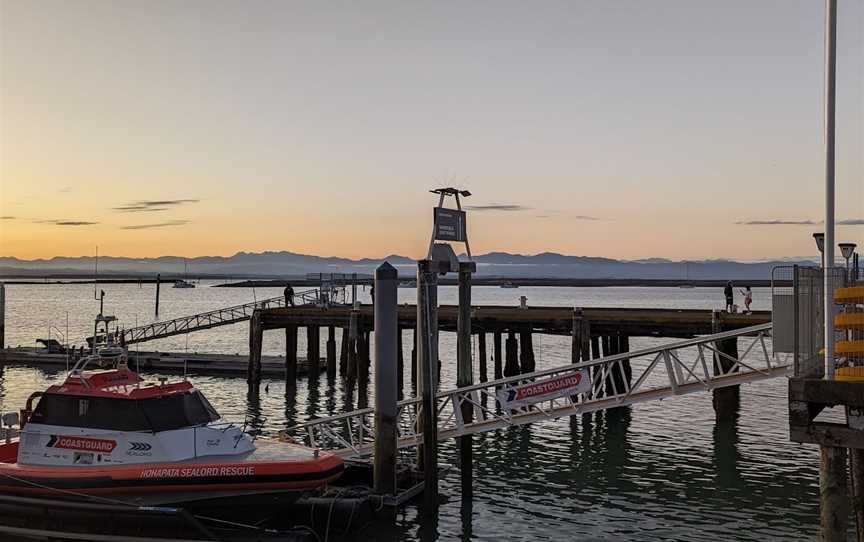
(655, 471)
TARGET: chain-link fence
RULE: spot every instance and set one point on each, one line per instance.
(798, 314)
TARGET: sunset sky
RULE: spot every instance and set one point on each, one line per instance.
(626, 129)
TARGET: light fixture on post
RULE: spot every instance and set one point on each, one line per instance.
(847, 250)
(820, 244)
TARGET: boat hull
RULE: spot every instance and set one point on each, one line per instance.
(170, 482)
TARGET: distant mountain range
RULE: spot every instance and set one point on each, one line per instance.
(289, 264)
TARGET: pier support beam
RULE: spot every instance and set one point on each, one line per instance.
(834, 500)
(353, 332)
(331, 352)
(526, 351)
(386, 356)
(511, 355)
(343, 354)
(427, 359)
(290, 356)
(726, 400)
(313, 350)
(400, 364)
(256, 336)
(497, 371)
(481, 354)
(464, 376)
(414, 357)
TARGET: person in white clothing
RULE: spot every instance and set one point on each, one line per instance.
(748, 299)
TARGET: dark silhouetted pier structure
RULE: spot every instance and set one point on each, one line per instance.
(594, 332)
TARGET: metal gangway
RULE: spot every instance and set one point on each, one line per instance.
(210, 319)
(678, 368)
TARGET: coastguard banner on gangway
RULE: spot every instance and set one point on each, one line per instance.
(544, 390)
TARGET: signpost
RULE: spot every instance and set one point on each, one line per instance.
(449, 225)
(544, 390)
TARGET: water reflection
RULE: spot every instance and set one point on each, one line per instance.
(727, 455)
(255, 421)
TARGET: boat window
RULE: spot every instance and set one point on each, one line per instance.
(179, 410)
(90, 412)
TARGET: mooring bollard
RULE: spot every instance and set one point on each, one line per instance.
(386, 388)
(427, 357)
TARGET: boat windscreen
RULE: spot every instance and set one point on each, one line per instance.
(92, 412)
(179, 410)
(153, 414)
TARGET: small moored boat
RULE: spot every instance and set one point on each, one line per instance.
(107, 432)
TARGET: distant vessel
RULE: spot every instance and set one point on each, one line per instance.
(184, 282)
(409, 284)
(509, 284)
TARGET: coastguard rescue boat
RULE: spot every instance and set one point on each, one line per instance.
(107, 432)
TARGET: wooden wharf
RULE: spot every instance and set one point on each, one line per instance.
(595, 332)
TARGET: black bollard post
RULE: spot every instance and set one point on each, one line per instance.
(386, 355)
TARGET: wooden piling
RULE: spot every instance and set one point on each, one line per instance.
(363, 358)
(464, 376)
(597, 370)
(526, 351)
(353, 332)
(481, 354)
(343, 354)
(497, 372)
(427, 357)
(576, 337)
(834, 499)
(290, 356)
(313, 350)
(256, 336)
(331, 352)
(511, 355)
(400, 365)
(726, 400)
(856, 465)
(414, 356)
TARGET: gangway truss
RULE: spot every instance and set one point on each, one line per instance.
(211, 319)
(677, 368)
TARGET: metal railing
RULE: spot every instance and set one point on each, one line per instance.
(210, 319)
(678, 368)
(797, 295)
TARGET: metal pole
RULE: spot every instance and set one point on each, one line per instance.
(158, 282)
(464, 377)
(386, 330)
(427, 356)
(830, 94)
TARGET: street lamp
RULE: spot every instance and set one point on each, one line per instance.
(820, 244)
(847, 250)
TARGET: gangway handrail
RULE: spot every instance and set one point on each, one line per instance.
(349, 433)
(234, 314)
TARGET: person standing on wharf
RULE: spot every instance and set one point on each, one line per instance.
(728, 292)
